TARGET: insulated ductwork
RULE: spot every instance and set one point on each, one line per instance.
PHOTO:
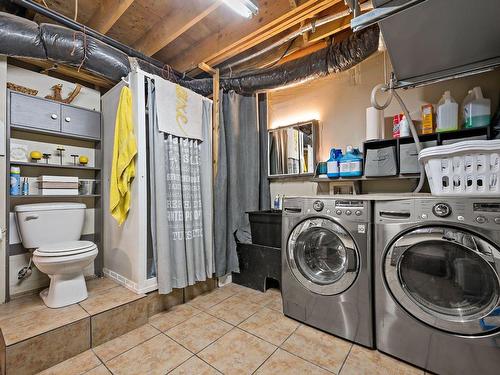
(23, 38)
(333, 59)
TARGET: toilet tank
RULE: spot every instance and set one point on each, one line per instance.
(47, 223)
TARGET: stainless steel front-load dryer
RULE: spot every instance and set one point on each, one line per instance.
(437, 286)
(326, 277)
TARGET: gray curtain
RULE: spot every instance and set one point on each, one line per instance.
(239, 184)
(181, 196)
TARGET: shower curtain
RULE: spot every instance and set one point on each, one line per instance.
(181, 200)
(241, 183)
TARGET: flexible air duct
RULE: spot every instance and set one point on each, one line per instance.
(23, 38)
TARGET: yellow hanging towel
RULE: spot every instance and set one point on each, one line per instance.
(123, 164)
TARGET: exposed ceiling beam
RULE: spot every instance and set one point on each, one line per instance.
(107, 13)
(331, 28)
(167, 30)
(230, 42)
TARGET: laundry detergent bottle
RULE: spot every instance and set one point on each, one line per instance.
(332, 165)
(476, 109)
(447, 113)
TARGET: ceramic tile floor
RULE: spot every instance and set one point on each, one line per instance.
(27, 316)
(231, 330)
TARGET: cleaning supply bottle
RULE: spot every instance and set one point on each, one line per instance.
(447, 113)
(332, 165)
(357, 163)
(15, 180)
(476, 109)
(351, 164)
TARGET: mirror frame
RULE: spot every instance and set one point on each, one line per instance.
(315, 141)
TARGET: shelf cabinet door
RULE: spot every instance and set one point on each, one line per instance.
(81, 122)
(33, 112)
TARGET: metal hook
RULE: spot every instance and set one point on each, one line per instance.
(124, 79)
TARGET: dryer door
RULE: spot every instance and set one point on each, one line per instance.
(322, 256)
(447, 278)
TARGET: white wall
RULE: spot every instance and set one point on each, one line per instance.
(339, 102)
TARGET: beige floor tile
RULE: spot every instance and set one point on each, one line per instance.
(21, 305)
(199, 331)
(155, 356)
(282, 362)
(99, 285)
(109, 299)
(111, 349)
(235, 288)
(256, 296)
(234, 310)
(161, 302)
(99, 370)
(275, 303)
(23, 326)
(270, 325)
(194, 366)
(362, 361)
(175, 315)
(199, 288)
(79, 364)
(320, 348)
(237, 352)
(46, 350)
(110, 324)
(212, 298)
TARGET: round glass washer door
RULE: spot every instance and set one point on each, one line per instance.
(322, 256)
(447, 278)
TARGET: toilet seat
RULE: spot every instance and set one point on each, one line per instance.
(67, 248)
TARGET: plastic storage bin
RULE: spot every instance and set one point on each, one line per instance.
(265, 227)
(470, 168)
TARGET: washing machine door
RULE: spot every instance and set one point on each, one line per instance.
(447, 278)
(322, 256)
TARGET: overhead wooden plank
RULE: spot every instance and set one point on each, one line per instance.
(294, 17)
(167, 30)
(106, 15)
(331, 28)
(235, 39)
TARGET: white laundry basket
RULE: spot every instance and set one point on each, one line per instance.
(470, 168)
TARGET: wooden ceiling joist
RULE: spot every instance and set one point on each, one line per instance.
(107, 13)
(209, 50)
(166, 31)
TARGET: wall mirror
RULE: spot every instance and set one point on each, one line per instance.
(292, 150)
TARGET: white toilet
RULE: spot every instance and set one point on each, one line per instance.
(52, 231)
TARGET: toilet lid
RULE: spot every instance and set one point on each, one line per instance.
(65, 248)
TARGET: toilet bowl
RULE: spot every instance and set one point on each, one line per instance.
(52, 231)
(64, 262)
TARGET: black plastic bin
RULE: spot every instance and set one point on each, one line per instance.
(266, 227)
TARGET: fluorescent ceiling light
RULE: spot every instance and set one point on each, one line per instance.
(245, 8)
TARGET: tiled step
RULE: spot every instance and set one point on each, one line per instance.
(35, 337)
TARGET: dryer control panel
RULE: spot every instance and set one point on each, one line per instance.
(483, 213)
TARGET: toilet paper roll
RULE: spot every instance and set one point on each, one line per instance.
(374, 124)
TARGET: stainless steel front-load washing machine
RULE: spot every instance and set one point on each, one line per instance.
(326, 277)
(437, 286)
